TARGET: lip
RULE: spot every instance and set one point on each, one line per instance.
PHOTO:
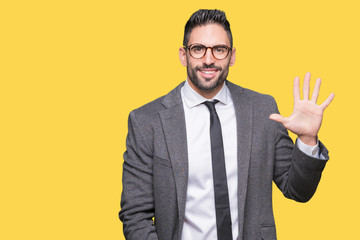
(208, 72)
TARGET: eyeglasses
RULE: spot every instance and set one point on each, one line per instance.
(198, 51)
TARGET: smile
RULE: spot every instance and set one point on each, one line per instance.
(208, 73)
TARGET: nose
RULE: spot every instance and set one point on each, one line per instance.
(209, 58)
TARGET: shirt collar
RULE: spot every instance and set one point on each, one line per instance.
(192, 98)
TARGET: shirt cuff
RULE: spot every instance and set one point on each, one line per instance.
(312, 151)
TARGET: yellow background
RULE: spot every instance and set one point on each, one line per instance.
(71, 71)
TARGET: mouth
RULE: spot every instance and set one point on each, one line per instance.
(208, 73)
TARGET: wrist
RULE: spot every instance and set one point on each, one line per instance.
(309, 140)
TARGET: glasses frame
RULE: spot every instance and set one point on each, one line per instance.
(211, 48)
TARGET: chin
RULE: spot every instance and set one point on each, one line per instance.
(209, 85)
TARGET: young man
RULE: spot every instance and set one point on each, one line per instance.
(201, 160)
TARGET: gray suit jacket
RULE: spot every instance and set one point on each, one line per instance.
(155, 169)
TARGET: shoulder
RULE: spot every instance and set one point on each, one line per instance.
(250, 96)
(148, 113)
(151, 110)
(261, 100)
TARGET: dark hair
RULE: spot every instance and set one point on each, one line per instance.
(203, 17)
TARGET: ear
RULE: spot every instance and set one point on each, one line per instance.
(182, 56)
(233, 57)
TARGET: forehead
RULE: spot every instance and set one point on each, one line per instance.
(209, 35)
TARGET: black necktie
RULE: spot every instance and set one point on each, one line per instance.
(222, 206)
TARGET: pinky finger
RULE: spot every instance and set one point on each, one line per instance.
(326, 103)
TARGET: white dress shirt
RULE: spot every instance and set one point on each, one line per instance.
(200, 217)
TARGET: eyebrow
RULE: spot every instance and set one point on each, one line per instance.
(219, 44)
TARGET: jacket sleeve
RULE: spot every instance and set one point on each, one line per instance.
(137, 199)
(296, 174)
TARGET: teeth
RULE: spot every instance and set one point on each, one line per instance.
(208, 72)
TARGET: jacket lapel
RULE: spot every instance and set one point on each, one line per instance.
(173, 122)
(244, 121)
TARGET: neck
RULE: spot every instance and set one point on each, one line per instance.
(208, 94)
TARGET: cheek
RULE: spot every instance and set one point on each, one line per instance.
(227, 65)
(191, 64)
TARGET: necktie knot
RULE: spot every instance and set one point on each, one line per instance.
(211, 105)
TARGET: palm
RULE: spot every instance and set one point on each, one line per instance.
(305, 121)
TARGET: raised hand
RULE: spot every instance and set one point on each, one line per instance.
(306, 118)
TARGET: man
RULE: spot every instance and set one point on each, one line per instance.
(200, 161)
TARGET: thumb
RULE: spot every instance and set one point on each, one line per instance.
(278, 118)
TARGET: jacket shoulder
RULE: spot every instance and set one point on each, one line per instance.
(258, 96)
(149, 110)
(259, 99)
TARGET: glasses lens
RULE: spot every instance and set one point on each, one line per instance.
(197, 51)
(220, 52)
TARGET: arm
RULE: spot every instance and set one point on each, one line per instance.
(137, 200)
(296, 174)
(298, 178)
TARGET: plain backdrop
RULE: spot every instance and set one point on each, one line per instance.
(71, 71)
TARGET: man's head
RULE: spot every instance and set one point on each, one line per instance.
(206, 16)
(207, 51)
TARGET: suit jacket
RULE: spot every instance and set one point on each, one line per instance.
(155, 169)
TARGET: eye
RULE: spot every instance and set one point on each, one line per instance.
(220, 49)
(197, 49)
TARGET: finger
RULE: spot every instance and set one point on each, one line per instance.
(316, 91)
(326, 103)
(278, 118)
(306, 86)
(296, 89)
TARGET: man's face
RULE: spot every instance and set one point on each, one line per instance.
(207, 73)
